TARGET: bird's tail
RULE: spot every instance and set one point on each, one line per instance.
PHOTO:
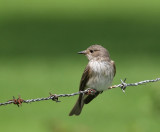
(77, 107)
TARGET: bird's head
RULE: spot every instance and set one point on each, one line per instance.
(96, 52)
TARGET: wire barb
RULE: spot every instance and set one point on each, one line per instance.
(18, 101)
(123, 85)
(55, 97)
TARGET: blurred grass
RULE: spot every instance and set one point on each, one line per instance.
(80, 9)
(38, 45)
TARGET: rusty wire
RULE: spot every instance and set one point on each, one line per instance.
(55, 97)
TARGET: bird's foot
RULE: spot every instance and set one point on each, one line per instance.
(91, 92)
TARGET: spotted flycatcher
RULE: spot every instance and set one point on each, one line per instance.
(98, 75)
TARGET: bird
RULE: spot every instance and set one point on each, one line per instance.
(98, 75)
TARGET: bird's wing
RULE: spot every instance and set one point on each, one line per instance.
(85, 78)
(114, 67)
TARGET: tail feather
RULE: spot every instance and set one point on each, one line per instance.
(77, 107)
(83, 99)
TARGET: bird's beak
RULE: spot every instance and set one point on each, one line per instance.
(82, 52)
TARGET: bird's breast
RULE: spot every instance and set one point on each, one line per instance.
(101, 75)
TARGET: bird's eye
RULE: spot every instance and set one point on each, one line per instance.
(91, 51)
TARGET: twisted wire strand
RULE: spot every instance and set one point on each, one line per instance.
(55, 97)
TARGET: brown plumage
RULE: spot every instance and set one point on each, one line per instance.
(97, 75)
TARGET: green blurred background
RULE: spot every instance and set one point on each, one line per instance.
(39, 41)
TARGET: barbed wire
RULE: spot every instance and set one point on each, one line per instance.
(55, 97)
